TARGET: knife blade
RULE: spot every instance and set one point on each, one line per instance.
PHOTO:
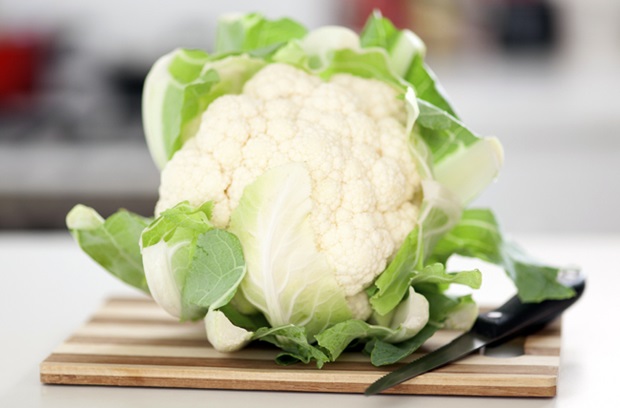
(514, 318)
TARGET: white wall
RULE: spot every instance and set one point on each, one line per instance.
(559, 121)
(147, 28)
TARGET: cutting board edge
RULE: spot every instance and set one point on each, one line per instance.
(547, 391)
(54, 374)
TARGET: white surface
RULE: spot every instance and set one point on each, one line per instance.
(48, 288)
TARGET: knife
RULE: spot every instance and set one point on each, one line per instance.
(512, 319)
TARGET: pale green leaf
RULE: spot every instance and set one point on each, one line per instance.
(216, 270)
(113, 243)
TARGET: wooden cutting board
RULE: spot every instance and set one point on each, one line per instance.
(132, 342)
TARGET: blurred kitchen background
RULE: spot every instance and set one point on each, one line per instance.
(543, 76)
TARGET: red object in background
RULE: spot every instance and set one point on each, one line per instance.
(20, 64)
(395, 10)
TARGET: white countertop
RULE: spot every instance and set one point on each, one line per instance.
(48, 287)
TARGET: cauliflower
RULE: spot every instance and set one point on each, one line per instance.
(350, 135)
(308, 181)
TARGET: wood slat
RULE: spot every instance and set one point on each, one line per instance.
(132, 342)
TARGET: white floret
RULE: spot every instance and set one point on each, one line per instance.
(349, 132)
(360, 306)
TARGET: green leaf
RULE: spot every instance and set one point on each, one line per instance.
(393, 283)
(112, 243)
(406, 52)
(179, 88)
(405, 322)
(478, 235)
(436, 273)
(256, 34)
(251, 322)
(439, 212)
(441, 309)
(168, 247)
(378, 32)
(365, 64)
(443, 133)
(169, 100)
(336, 339)
(462, 162)
(427, 86)
(535, 281)
(454, 313)
(441, 305)
(384, 353)
(293, 341)
(179, 223)
(216, 270)
(293, 54)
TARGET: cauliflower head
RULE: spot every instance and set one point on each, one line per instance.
(309, 181)
(349, 133)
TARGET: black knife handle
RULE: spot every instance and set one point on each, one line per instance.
(515, 317)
